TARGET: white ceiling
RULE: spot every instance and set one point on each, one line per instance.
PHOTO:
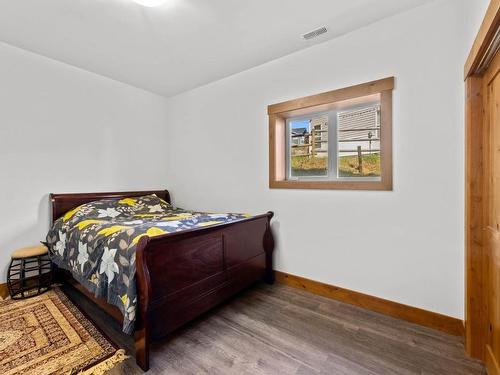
(183, 43)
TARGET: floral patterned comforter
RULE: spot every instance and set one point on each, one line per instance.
(97, 242)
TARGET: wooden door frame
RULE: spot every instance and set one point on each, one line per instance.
(482, 53)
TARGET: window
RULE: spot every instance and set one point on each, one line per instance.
(336, 140)
(358, 137)
(307, 146)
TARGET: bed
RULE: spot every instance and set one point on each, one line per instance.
(180, 275)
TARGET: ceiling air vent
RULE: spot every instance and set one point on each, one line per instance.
(314, 33)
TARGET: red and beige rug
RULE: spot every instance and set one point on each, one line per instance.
(47, 334)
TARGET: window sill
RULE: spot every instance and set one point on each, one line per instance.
(332, 185)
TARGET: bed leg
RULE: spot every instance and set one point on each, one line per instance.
(269, 276)
(142, 342)
(269, 248)
(56, 274)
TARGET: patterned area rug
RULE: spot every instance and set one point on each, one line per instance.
(47, 334)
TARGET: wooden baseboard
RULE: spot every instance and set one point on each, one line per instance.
(492, 366)
(4, 291)
(411, 314)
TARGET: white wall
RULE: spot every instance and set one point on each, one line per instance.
(405, 245)
(63, 129)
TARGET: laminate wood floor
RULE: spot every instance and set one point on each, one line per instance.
(281, 330)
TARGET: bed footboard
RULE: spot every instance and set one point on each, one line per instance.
(182, 275)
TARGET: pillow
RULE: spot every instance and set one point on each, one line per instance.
(109, 209)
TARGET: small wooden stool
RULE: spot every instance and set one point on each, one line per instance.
(30, 272)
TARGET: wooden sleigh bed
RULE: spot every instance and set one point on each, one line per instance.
(183, 274)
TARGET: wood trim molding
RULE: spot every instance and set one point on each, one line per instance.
(484, 38)
(4, 291)
(411, 314)
(332, 185)
(492, 366)
(364, 89)
(386, 141)
(475, 302)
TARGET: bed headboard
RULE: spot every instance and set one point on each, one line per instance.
(62, 203)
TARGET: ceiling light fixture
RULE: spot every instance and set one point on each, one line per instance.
(150, 3)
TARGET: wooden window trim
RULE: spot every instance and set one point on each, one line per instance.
(278, 113)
